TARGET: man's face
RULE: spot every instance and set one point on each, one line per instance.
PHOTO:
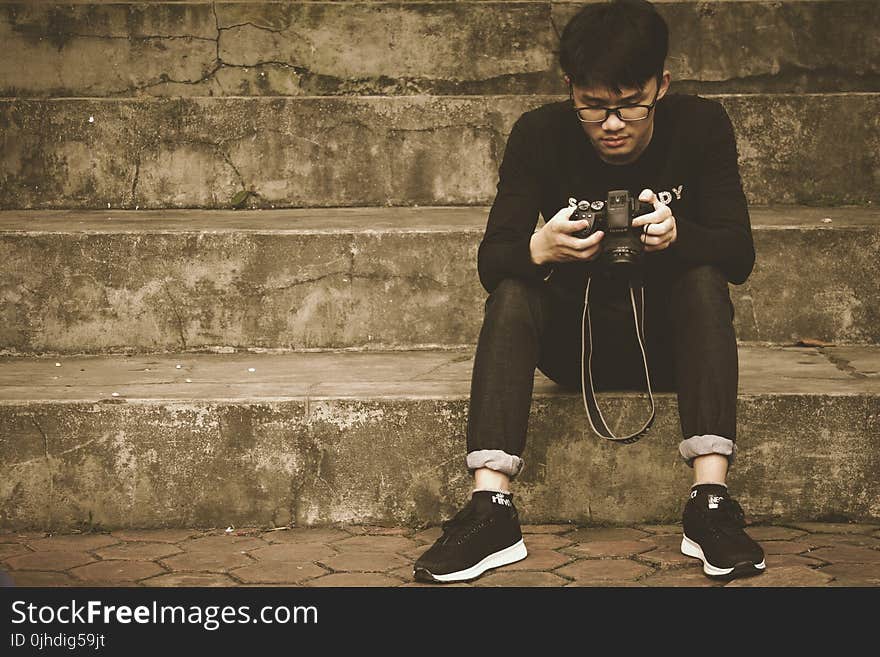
(617, 141)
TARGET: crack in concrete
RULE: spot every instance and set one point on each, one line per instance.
(48, 469)
(254, 25)
(452, 361)
(144, 37)
(842, 364)
(217, 26)
(176, 314)
(137, 171)
(554, 26)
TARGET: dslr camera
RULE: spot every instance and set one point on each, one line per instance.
(621, 245)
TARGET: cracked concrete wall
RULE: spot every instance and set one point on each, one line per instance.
(331, 152)
(121, 292)
(305, 48)
(315, 461)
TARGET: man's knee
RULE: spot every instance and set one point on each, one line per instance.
(512, 296)
(703, 288)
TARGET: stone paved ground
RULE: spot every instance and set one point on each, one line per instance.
(798, 554)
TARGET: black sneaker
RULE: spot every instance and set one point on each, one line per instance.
(713, 532)
(484, 534)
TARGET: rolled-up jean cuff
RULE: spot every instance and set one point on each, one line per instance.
(709, 443)
(495, 459)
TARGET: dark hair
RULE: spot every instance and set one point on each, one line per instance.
(614, 45)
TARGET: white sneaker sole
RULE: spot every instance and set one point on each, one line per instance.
(512, 554)
(693, 549)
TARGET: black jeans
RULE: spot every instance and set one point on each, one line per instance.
(690, 347)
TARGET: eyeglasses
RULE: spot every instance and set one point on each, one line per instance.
(624, 113)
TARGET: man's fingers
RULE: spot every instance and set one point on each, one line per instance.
(658, 228)
(661, 214)
(564, 214)
(648, 196)
(581, 244)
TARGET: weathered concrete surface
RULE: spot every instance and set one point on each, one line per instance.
(324, 152)
(306, 48)
(374, 555)
(362, 278)
(341, 437)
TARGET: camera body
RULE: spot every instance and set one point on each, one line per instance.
(621, 246)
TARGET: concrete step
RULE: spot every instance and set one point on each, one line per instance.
(382, 48)
(321, 438)
(362, 278)
(375, 151)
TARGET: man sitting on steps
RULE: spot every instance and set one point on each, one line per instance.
(619, 130)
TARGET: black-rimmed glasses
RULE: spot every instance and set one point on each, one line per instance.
(624, 113)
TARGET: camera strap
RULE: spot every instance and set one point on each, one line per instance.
(593, 405)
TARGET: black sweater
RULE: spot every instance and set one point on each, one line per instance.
(691, 159)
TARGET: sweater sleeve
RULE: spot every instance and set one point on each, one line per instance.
(721, 233)
(504, 250)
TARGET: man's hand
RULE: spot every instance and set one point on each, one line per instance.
(555, 243)
(660, 223)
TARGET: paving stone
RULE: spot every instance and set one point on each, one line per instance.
(782, 560)
(41, 578)
(832, 540)
(354, 579)
(8, 536)
(524, 578)
(852, 574)
(660, 529)
(540, 560)
(138, 551)
(784, 576)
(274, 572)
(404, 572)
(607, 570)
(208, 561)
(547, 529)
(82, 542)
(364, 561)
(546, 541)
(606, 534)
(376, 543)
(116, 572)
(785, 547)
(49, 560)
(428, 535)
(190, 579)
(378, 530)
(609, 548)
(834, 527)
(414, 584)
(771, 533)
(222, 543)
(293, 552)
(414, 553)
(680, 577)
(589, 583)
(306, 535)
(664, 541)
(847, 554)
(154, 535)
(11, 549)
(663, 558)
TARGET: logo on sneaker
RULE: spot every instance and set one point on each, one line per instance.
(693, 494)
(714, 500)
(499, 498)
